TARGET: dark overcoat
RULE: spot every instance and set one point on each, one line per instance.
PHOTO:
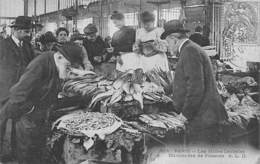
(13, 61)
(29, 102)
(195, 92)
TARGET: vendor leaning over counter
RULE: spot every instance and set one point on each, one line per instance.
(30, 98)
(195, 92)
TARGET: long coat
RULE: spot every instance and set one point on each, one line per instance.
(13, 61)
(29, 100)
(195, 92)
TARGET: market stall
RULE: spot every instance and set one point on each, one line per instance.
(126, 116)
(132, 99)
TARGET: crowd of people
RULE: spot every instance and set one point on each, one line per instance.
(31, 76)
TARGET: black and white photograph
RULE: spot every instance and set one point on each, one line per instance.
(129, 81)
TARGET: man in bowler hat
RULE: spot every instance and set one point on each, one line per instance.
(15, 54)
(195, 92)
(35, 93)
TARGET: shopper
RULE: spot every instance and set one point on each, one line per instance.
(62, 35)
(97, 51)
(35, 93)
(15, 54)
(195, 91)
(47, 41)
(94, 45)
(78, 39)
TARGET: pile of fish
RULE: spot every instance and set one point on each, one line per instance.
(130, 86)
(168, 121)
(162, 78)
(90, 84)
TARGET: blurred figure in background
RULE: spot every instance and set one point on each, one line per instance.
(124, 38)
(110, 50)
(78, 39)
(3, 33)
(108, 41)
(94, 45)
(149, 30)
(205, 34)
(200, 37)
(35, 41)
(47, 41)
(149, 44)
(62, 35)
(197, 36)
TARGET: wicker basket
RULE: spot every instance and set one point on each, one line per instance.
(129, 110)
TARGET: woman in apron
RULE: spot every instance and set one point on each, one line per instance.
(150, 46)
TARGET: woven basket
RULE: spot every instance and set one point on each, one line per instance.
(130, 110)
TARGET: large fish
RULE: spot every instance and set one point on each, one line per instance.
(118, 84)
(152, 122)
(117, 95)
(100, 97)
(126, 87)
(115, 100)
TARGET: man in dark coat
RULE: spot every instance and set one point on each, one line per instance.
(31, 98)
(15, 54)
(195, 92)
